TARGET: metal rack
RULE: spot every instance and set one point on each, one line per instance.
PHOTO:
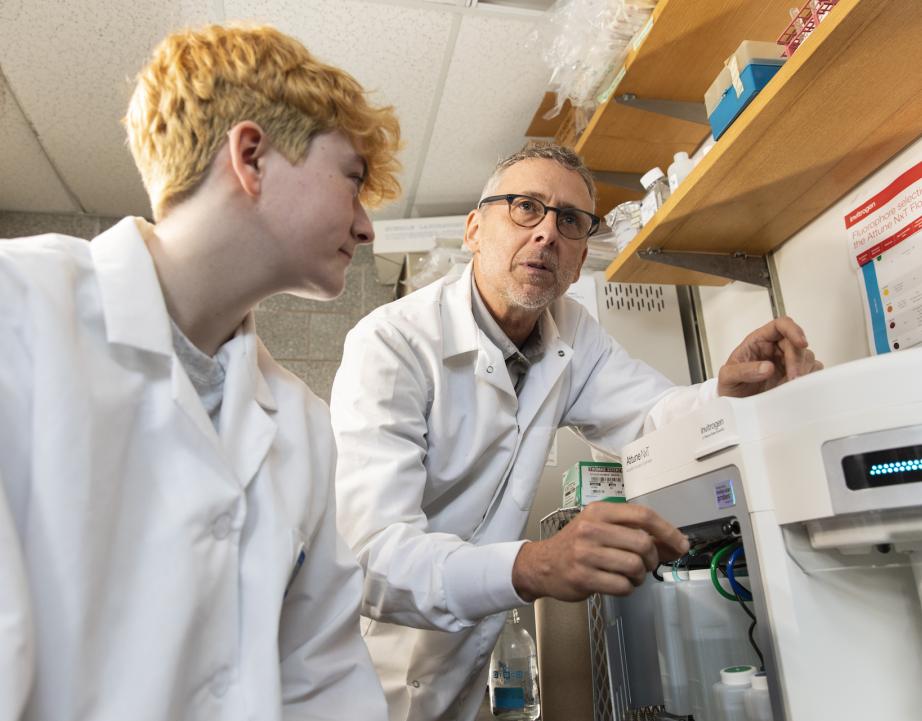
(610, 690)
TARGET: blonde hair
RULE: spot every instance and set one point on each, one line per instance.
(199, 84)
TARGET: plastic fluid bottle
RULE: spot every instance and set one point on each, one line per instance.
(679, 169)
(714, 636)
(657, 188)
(730, 691)
(673, 672)
(514, 674)
(756, 702)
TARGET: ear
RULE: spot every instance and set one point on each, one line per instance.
(247, 145)
(472, 231)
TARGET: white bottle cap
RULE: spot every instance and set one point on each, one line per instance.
(681, 155)
(760, 681)
(650, 177)
(737, 675)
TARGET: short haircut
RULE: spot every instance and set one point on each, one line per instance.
(543, 151)
(200, 83)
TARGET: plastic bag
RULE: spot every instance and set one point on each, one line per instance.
(583, 43)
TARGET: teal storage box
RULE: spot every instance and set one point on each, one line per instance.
(754, 77)
(733, 89)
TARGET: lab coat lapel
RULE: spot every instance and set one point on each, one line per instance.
(460, 334)
(541, 377)
(132, 300)
(247, 428)
(135, 312)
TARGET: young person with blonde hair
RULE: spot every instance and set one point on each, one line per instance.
(168, 547)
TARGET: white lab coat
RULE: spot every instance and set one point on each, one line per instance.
(439, 462)
(151, 552)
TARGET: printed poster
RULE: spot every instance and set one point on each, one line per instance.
(885, 245)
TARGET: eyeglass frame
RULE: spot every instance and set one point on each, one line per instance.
(509, 197)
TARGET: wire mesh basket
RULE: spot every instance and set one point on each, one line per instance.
(610, 688)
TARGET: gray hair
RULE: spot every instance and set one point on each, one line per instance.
(543, 151)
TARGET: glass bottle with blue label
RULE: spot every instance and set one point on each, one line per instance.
(514, 674)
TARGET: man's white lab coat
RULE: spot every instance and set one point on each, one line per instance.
(149, 566)
(439, 462)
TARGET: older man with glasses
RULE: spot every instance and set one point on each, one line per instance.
(444, 409)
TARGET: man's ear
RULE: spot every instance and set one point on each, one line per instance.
(247, 144)
(472, 231)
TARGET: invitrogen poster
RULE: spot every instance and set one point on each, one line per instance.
(885, 245)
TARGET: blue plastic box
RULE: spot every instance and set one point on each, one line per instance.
(754, 77)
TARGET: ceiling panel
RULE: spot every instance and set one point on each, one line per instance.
(395, 52)
(70, 66)
(494, 84)
(27, 180)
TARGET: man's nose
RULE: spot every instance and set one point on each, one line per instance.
(546, 231)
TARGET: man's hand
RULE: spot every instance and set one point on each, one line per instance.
(769, 356)
(608, 548)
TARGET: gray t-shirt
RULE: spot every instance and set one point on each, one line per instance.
(205, 372)
(518, 360)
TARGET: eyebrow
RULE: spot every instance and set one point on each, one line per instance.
(544, 199)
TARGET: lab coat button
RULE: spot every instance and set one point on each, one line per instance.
(414, 684)
(489, 369)
(221, 527)
(561, 353)
(220, 682)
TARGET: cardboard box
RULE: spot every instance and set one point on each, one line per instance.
(588, 481)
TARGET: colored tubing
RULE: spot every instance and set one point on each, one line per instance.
(715, 559)
(743, 594)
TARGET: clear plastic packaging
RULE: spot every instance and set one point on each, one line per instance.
(584, 44)
(446, 258)
(514, 674)
(657, 187)
(624, 221)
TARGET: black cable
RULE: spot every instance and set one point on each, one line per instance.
(752, 626)
(657, 575)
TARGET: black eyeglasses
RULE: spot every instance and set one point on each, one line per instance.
(527, 212)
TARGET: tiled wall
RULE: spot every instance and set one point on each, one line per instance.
(305, 336)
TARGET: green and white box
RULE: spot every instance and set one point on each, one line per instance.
(588, 481)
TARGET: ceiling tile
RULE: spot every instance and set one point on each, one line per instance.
(395, 52)
(70, 69)
(495, 83)
(28, 181)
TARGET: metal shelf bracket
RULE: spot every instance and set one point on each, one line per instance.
(683, 110)
(735, 266)
(630, 181)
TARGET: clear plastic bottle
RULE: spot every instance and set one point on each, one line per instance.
(756, 701)
(514, 674)
(657, 187)
(730, 690)
(679, 169)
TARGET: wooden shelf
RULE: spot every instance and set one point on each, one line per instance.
(686, 47)
(847, 101)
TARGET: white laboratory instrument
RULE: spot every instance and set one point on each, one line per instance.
(821, 481)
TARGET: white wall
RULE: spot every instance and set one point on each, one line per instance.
(818, 286)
